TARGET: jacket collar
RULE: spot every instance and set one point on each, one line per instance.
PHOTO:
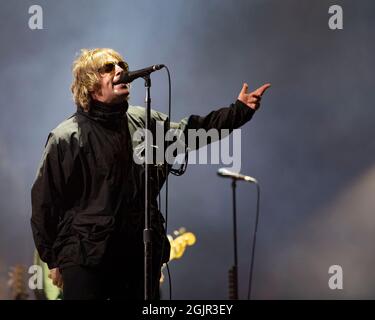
(107, 114)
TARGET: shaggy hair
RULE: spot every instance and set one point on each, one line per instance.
(86, 74)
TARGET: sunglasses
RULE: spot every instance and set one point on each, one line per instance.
(110, 66)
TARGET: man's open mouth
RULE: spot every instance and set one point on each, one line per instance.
(120, 85)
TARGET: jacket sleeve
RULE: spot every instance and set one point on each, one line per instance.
(46, 201)
(222, 121)
(232, 117)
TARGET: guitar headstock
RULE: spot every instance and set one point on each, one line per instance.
(17, 282)
(180, 242)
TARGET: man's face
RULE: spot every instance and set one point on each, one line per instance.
(108, 92)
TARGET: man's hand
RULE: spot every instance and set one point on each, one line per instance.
(55, 276)
(252, 99)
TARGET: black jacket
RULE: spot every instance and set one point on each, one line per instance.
(88, 196)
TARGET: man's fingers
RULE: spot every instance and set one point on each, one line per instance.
(255, 105)
(255, 97)
(244, 88)
(60, 283)
(57, 282)
(262, 89)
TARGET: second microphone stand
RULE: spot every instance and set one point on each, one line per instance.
(233, 272)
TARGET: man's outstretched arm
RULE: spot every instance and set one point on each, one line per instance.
(232, 117)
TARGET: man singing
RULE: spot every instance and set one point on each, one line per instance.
(88, 196)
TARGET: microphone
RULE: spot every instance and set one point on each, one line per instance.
(234, 175)
(130, 76)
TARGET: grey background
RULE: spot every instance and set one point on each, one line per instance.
(311, 145)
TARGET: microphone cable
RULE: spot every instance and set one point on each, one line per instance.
(167, 173)
(163, 241)
(176, 172)
(254, 242)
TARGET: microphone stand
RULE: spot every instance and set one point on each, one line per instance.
(147, 232)
(233, 272)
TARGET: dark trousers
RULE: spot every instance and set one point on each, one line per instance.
(99, 283)
(120, 275)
